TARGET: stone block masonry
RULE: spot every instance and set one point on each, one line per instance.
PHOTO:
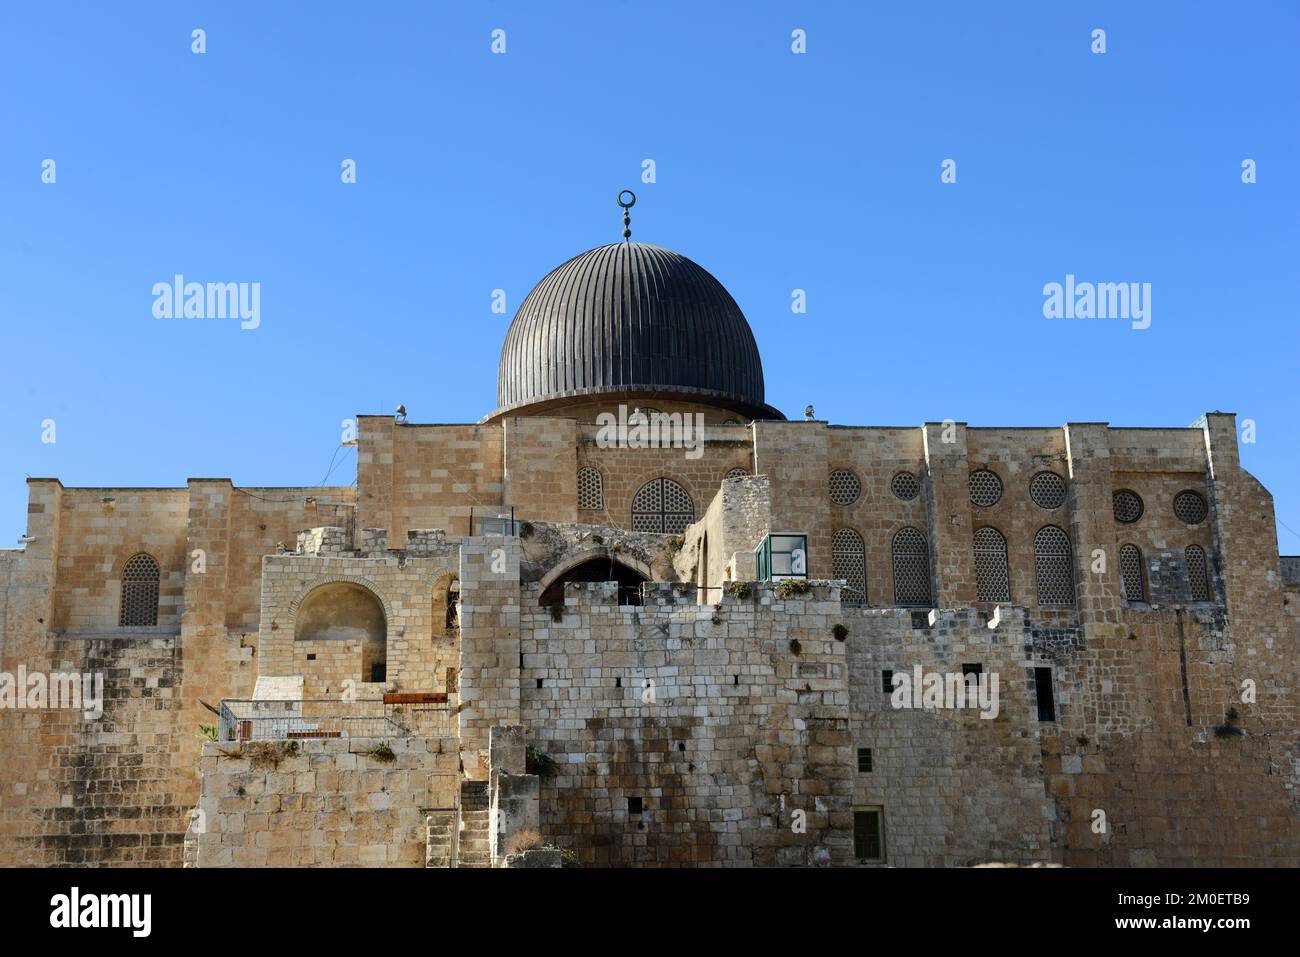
(333, 803)
(690, 735)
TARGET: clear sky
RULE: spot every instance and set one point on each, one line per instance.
(775, 171)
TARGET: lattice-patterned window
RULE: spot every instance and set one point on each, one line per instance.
(591, 490)
(1198, 573)
(1054, 565)
(985, 488)
(663, 506)
(849, 561)
(992, 581)
(1131, 579)
(905, 486)
(1047, 489)
(911, 568)
(845, 487)
(139, 592)
(1190, 507)
(1127, 506)
(737, 473)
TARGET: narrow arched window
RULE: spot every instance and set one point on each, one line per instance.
(591, 490)
(139, 592)
(849, 561)
(1130, 573)
(662, 505)
(1054, 566)
(1198, 573)
(911, 568)
(992, 581)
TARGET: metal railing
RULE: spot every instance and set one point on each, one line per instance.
(317, 718)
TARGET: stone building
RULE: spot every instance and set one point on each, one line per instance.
(684, 642)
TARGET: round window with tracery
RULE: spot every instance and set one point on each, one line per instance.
(1190, 508)
(1127, 506)
(845, 487)
(905, 486)
(985, 488)
(1047, 489)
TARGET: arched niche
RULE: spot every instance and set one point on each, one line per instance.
(346, 611)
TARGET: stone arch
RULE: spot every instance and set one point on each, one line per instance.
(442, 608)
(597, 553)
(365, 583)
(345, 609)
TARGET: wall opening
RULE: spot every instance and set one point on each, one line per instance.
(598, 570)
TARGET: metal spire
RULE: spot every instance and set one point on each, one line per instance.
(627, 217)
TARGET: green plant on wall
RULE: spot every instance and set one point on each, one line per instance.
(789, 587)
(539, 762)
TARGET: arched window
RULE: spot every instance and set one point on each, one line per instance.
(139, 592)
(911, 568)
(452, 615)
(737, 473)
(1130, 573)
(662, 506)
(591, 490)
(1198, 573)
(992, 581)
(1054, 565)
(849, 560)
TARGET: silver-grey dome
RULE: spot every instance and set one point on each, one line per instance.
(634, 319)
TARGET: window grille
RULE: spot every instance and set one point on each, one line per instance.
(985, 488)
(139, 592)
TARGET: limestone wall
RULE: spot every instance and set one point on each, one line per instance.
(331, 803)
(719, 728)
(427, 476)
(419, 650)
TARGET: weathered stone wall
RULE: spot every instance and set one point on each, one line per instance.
(111, 790)
(736, 732)
(541, 468)
(735, 523)
(419, 651)
(955, 788)
(490, 650)
(427, 476)
(331, 803)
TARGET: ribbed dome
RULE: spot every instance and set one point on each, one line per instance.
(631, 318)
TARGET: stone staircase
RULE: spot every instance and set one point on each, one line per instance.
(437, 842)
(473, 847)
(474, 819)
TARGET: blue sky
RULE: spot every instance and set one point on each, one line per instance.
(775, 171)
